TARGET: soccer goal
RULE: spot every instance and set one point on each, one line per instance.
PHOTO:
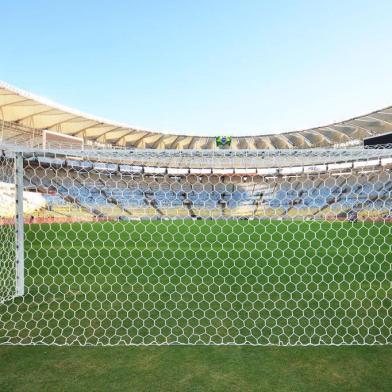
(223, 247)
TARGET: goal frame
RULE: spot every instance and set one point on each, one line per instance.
(19, 225)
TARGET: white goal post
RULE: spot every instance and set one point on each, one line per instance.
(223, 247)
(19, 225)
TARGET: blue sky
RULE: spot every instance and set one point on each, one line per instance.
(203, 67)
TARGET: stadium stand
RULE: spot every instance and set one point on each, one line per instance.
(33, 202)
(24, 117)
(68, 188)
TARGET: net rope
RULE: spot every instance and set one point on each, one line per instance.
(218, 247)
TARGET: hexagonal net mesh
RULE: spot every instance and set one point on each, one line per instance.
(142, 247)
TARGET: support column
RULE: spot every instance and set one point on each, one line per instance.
(19, 225)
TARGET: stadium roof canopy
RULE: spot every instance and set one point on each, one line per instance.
(26, 110)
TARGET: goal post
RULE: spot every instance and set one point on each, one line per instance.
(222, 247)
(19, 225)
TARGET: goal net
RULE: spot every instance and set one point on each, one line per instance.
(7, 230)
(146, 247)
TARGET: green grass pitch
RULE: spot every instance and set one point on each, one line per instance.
(190, 369)
(204, 282)
(201, 282)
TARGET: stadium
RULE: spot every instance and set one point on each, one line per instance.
(119, 236)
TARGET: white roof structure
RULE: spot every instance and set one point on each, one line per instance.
(29, 115)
